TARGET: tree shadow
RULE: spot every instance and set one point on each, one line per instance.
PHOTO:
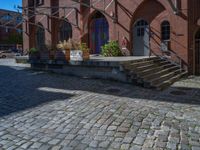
(19, 90)
(22, 89)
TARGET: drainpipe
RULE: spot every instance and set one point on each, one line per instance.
(176, 7)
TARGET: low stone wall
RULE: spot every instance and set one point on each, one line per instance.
(22, 59)
(97, 70)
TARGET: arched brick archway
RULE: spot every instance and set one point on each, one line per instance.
(197, 52)
(153, 17)
(98, 29)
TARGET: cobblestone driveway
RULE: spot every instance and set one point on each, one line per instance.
(47, 111)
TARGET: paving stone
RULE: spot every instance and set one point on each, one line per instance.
(112, 128)
(67, 112)
(54, 141)
(125, 146)
(45, 147)
(115, 145)
(128, 140)
(36, 145)
(104, 144)
(139, 140)
(26, 145)
(136, 147)
(93, 144)
(172, 145)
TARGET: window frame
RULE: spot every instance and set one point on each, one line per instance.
(165, 31)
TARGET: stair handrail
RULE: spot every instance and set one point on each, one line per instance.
(180, 63)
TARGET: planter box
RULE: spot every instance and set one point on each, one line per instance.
(60, 55)
(44, 55)
(76, 55)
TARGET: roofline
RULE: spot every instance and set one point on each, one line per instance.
(11, 11)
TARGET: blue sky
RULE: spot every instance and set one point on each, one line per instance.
(9, 4)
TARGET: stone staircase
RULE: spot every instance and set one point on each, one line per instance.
(153, 72)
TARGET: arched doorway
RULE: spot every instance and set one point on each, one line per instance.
(98, 32)
(40, 37)
(141, 38)
(65, 31)
(197, 53)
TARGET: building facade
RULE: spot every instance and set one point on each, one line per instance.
(10, 29)
(144, 27)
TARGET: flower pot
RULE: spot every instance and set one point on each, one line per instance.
(76, 55)
(86, 55)
(67, 54)
(34, 57)
(44, 55)
(60, 55)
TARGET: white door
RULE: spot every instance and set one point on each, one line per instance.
(141, 38)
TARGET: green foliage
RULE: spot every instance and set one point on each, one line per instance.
(33, 50)
(111, 49)
(84, 47)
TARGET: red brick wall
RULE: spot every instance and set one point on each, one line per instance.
(6, 32)
(128, 12)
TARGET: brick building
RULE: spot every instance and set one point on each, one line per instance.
(146, 26)
(8, 28)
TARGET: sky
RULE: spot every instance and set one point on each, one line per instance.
(10, 4)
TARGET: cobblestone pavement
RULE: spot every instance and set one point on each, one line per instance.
(43, 111)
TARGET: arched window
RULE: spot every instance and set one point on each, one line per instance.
(40, 37)
(65, 31)
(165, 31)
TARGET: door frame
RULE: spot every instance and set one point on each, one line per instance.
(195, 52)
(91, 27)
(133, 35)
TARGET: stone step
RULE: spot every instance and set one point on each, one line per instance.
(153, 69)
(146, 67)
(164, 77)
(127, 63)
(167, 83)
(144, 63)
(160, 73)
(154, 72)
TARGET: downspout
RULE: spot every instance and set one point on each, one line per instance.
(174, 6)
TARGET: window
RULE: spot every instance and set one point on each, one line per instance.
(7, 17)
(65, 31)
(7, 30)
(40, 37)
(39, 2)
(141, 28)
(19, 19)
(165, 31)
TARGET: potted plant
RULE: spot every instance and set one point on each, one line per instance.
(65, 46)
(76, 54)
(51, 51)
(60, 55)
(112, 49)
(85, 50)
(34, 54)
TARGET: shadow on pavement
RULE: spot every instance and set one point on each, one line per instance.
(19, 90)
(22, 89)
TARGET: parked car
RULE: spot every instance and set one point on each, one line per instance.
(8, 54)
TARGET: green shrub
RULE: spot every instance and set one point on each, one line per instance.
(111, 49)
(33, 50)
